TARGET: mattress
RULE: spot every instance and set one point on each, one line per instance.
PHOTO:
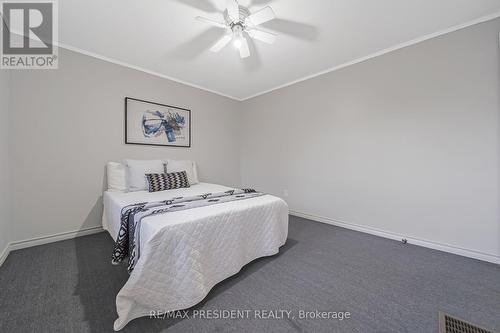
(185, 253)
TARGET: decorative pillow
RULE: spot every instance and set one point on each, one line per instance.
(167, 181)
(137, 170)
(116, 177)
(188, 166)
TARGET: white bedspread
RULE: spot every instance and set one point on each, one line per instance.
(185, 253)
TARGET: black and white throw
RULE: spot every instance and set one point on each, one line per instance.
(128, 240)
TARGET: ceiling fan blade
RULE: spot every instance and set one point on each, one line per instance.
(211, 22)
(233, 10)
(263, 36)
(263, 15)
(221, 43)
(244, 50)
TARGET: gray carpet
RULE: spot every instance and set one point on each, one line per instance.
(70, 286)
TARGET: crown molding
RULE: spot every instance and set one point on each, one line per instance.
(382, 52)
(142, 69)
(329, 70)
(134, 67)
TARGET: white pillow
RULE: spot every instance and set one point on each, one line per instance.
(116, 177)
(188, 166)
(137, 170)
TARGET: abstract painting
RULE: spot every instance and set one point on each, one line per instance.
(148, 123)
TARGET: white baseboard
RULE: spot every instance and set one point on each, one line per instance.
(4, 254)
(420, 242)
(47, 239)
(373, 231)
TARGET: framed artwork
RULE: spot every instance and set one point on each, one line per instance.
(148, 123)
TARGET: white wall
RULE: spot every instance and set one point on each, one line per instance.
(67, 123)
(4, 159)
(406, 143)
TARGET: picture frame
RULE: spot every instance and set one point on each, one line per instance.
(156, 124)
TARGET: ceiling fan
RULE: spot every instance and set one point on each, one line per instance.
(238, 21)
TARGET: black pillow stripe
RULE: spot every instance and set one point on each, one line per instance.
(167, 181)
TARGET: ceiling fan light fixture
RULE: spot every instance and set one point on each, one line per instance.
(237, 43)
(239, 20)
(237, 36)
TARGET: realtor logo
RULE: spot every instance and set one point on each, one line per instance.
(29, 31)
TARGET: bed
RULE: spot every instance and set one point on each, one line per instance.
(185, 253)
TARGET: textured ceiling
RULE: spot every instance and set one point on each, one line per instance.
(162, 36)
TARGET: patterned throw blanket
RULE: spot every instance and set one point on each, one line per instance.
(128, 240)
